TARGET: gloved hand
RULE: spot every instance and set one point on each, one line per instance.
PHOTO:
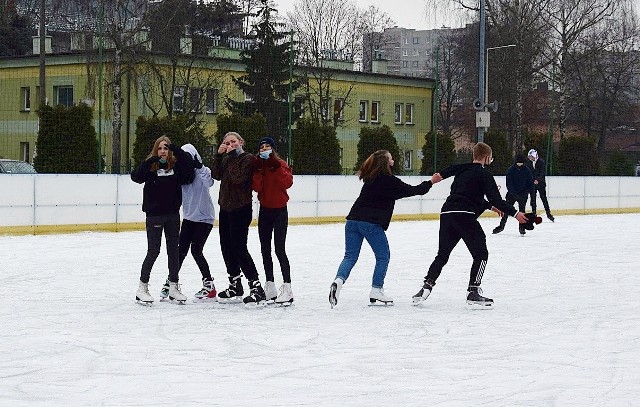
(197, 163)
(152, 159)
(173, 147)
(532, 220)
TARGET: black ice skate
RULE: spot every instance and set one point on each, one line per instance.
(424, 292)
(475, 298)
(334, 292)
(233, 293)
(521, 229)
(550, 217)
(256, 295)
(498, 229)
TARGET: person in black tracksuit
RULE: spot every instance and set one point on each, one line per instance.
(459, 221)
(519, 186)
(163, 173)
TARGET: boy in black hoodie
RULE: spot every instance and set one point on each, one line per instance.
(459, 220)
(519, 186)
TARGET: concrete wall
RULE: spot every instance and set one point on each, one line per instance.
(49, 203)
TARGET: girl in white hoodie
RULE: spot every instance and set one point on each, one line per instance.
(198, 216)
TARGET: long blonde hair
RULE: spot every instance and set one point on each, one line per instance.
(171, 159)
(374, 165)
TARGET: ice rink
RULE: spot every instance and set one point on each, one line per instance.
(565, 330)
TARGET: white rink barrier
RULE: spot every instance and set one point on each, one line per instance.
(51, 203)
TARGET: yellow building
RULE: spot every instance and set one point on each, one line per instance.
(198, 85)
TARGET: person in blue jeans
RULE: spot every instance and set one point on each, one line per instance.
(369, 218)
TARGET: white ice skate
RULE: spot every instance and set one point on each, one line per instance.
(285, 297)
(423, 293)
(334, 292)
(378, 297)
(142, 295)
(207, 293)
(175, 294)
(270, 292)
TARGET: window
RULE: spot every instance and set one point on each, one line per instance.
(406, 165)
(324, 108)
(405, 52)
(406, 40)
(375, 110)
(415, 53)
(24, 151)
(408, 113)
(414, 64)
(194, 100)
(178, 99)
(363, 111)
(338, 109)
(212, 101)
(398, 113)
(405, 64)
(63, 95)
(416, 40)
(298, 102)
(25, 97)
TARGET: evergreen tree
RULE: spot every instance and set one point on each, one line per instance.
(251, 129)
(315, 149)
(578, 156)
(446, 153)
(266, 82)
(67, 142)
(502, 153)
(15, 32)
(373, 139)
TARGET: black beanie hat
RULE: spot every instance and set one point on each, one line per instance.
(267, 140)
(519, 159)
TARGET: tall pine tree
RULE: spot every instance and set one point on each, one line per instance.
(266, 83)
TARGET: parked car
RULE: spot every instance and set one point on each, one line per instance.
(15, 167)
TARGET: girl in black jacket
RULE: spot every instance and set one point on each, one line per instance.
(369, 218)
(164, 171)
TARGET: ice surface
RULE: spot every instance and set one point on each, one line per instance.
(565, 330)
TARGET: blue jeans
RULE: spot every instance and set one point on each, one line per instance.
(354, 232)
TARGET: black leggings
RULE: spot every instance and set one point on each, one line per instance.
(274, 222)
(195, 235)
(234, 232)
(155, 225)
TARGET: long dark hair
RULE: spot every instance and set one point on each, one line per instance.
(171, 159)
(376, 164)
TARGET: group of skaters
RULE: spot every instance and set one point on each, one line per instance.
(175, 176)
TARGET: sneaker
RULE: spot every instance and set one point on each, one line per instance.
(498, 229)
(550, 217)
(256, 293)
(164, 292)
(334, 292)
(286, 295)
(207, 292)
(474, 297)
(424, 292)
(142, 295)
(175, 294)
(270, 291)
(378, 295)
(234, 292)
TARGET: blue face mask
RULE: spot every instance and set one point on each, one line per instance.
(265, 154)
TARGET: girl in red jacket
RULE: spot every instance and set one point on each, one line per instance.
(271, 179)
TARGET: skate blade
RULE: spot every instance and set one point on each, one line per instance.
(379, 303)
(255, 305)
(480, 305)
(205, 300)
(284, 304)
(177, 302)
(235, 300)
(144, 303)
(415, 301)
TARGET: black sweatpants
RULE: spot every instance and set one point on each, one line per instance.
(542, 189)
(194, 235)
(155, 225)
(274, 222)
(453, 227)
(233, 227)
(522, 205)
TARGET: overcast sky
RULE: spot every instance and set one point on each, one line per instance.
(406, 13)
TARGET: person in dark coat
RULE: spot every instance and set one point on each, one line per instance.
(368, 219)
(459, 221)
(539, 170)
(519, 186)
